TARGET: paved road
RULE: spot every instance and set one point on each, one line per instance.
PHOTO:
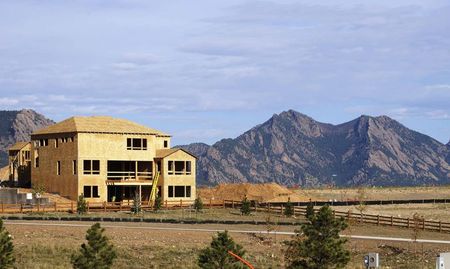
(183, 228)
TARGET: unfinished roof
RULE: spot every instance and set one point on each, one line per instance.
(98, 124)
(18, 146)
(162, 153)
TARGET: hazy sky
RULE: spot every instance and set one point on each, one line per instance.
(205, 70)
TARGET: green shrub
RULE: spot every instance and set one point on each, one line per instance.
(7, 259)
(217, 256)
(98, 253)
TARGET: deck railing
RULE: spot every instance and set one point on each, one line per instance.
(129, 175)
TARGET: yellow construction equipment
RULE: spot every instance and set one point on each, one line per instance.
(154, 191)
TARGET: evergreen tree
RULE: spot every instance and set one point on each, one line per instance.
(7, 259)
(309, 211)
(319, 247)
(81, 205)
(158, 203)
(216, 256)
(98, 253)
(198, 204)
(245, 206)
(136, 208)
(289, 208)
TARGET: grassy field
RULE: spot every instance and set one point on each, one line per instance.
(378, 193)
(51, 247)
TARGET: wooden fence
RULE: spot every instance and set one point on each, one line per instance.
(99, 207)
(354, 217)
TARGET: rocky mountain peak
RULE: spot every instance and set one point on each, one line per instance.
(17, 126)
(292, 148)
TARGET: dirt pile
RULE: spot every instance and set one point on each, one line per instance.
(268, 192)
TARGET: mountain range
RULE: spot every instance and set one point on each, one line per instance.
(294, 149)
(17, 126)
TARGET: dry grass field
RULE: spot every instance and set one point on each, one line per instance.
(378, 193)
(39, 246)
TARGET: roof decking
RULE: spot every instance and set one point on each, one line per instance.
(162, 153)
(98, 124)
(18, 146)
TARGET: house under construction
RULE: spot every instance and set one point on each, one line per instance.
(106, 159)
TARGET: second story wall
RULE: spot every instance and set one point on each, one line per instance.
(54, 163)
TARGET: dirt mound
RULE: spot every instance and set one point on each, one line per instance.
(268, 192)
(4, 173)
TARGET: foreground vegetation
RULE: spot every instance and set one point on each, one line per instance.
(53, 247)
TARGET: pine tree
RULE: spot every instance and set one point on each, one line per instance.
(245, 206)
(198, 204)
(216, 256)
(136, 208)
(81, 205)
(98, 253)
(289, 208)
(319, 247)
(158, 203)
(7, 259)
(309, 211)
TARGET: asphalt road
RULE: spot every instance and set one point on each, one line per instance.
(217, 228)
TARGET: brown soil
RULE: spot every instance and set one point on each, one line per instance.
(269, 192)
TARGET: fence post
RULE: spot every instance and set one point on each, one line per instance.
(378, 220)
(408, 222)
(392, 220)
(210, 203)
(423, 224)
(21, 207)
(71, 206)
(181, 203)
(281, 209)
(3, 208)
(232, 204)
(87, 203)
(348, 215)
(56, 207)
(224, 204)
(167, 206)
(440, 226)
(120, 206)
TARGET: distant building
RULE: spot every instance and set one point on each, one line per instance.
(20, 164)
(109, 159)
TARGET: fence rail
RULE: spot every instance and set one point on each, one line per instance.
(99, 207)
(412, 223)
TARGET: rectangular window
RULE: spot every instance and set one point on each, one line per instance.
(43, 142)
(170, 191)
(90, 192)
(179, 167)
(74, 167)
(95, 191)
(188, 168)
(136, 144)
(170, 168)
(91, 167)
(36, 162)
(188, 191)
(58, 168)
(179, 191)
(166, 144)
(87, 192)
(27, 155)
(56, 142)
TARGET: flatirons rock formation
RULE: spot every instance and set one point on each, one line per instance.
(294, 149)
(17, 126)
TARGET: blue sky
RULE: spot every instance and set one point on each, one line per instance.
(206, 70)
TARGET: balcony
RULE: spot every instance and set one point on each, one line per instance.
(129, 173)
